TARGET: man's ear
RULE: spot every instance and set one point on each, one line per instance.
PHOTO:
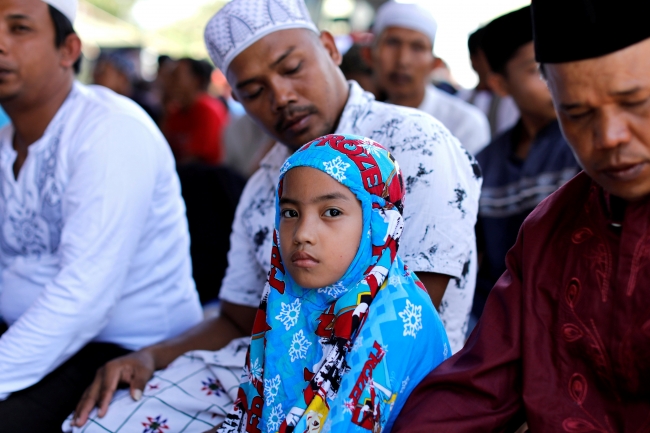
(70, 51)
(327, 40)
(366, 54)
(498, 84)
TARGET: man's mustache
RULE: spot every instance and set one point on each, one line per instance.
(291, 114)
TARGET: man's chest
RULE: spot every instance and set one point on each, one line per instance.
(31, 208)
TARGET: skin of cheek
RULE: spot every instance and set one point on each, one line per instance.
(332, 241)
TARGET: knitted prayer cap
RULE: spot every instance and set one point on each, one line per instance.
(505, 35)
(66, 7)
(572, 30)
(241, 23)
(406, 15)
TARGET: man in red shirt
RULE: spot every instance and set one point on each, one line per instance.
(564, 340)
(195, 124)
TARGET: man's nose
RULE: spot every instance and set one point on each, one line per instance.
(403, 55)
(282, 93)
(611, 129)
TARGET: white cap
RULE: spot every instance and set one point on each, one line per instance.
(241, 23)
(66, 7)
(406, 15)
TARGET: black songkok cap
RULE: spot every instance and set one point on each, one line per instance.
(571, 30)
(505, 35)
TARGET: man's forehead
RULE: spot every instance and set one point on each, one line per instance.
(405, 33)
(270, 51)
(596, 81)
(22, 8)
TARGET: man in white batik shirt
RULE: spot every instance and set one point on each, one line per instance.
(94, 244)
(441, 181)
(272, 55)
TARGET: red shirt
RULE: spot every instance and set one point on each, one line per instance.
(196, 133)
(564, 340)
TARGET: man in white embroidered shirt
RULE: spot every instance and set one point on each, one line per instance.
(286, 75)
(94, 247)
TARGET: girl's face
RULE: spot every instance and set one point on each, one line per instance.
(320, 227)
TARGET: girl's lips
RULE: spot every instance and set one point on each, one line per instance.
(303, 260)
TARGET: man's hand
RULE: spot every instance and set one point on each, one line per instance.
(138, 367)
(134, 369)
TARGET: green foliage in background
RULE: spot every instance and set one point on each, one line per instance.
(118, 8)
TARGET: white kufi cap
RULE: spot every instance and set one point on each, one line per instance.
(406, 15)
(66, 7)
(241, 23)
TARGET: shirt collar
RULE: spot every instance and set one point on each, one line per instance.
(8, 130)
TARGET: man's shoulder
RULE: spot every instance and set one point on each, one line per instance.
(497, 150)
(562, 206)
(104, 105)
(393, 124)
(455, 105)
(206, 104)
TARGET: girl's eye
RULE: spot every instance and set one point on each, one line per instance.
(332, 213)
(289, 213)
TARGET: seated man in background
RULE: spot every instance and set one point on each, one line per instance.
(94, 247)
(525, 164)
(501, 112)
(117, 71)
(196, 121)
(273, 71)
(402, 59)
(564, 340)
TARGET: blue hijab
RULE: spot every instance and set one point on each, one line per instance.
(343, 357)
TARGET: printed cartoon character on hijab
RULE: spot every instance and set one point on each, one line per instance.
(338, 296)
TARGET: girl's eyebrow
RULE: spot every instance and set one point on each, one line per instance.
(319, 199)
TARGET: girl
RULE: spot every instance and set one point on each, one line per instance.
(344, 331)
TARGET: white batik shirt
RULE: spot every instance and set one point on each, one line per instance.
(94, 244)
(443, 184)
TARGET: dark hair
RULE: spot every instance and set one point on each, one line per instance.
(201, 70)
(474, 41)
(162, 59)
(62, 29)
(353, 62)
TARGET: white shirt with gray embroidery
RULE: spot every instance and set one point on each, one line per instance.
(94, 244)
(443, 184)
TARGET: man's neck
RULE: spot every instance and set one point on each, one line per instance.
(531, 126)
(31, 118)
(413, 100)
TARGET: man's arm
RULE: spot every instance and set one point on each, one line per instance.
(436, 285)
(240, 294)
(137, 368)
(106, 204)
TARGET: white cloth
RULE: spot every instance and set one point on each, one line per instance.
(406, 15)
(443, 186)
(66, 7)
(241, 23)
(502, 116)
(468, 124)
(94, 244)
(193, 394)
